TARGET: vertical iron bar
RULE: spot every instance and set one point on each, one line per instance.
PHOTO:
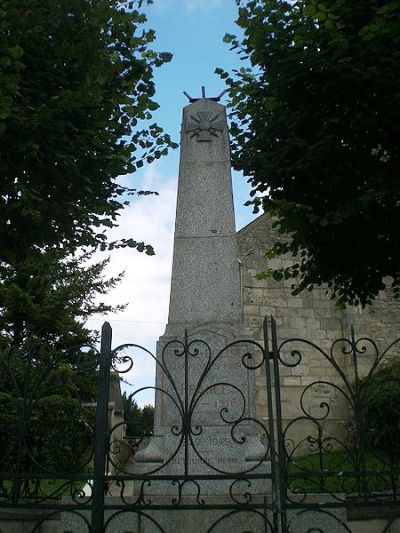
(320, 456)
(281, 444)
(101, 430)
(275, 492)
(266, 529)
(185, 416)
(360, 419)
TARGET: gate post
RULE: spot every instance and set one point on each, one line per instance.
(268, 356)
(101, 431)
(279, 427)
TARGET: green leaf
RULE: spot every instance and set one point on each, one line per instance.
(277, 275)
(149, 250)
(16, 52)
(314, 143)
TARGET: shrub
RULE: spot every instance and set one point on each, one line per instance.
(380, 396)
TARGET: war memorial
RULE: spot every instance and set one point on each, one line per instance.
(216, 394)
(259, 426)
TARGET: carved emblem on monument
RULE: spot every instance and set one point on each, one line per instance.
(204, 125)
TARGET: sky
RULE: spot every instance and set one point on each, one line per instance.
(192, 30)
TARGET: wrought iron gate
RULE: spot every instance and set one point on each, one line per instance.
(325, 463)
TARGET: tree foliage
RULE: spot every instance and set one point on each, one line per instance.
(380, 394)
(139, 420)
(44, 423)
(49, 297)
(75, 82)
(316, 123)
(76, 104)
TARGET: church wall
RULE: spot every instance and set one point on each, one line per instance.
(312, 316)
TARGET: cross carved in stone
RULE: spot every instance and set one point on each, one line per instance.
(204, 126)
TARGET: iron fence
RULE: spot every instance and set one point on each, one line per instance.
(321, 464)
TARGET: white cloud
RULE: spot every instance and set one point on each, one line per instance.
(187, 5)
(146, 283)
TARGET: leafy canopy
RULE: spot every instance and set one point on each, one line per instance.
(380, 393)
(75, 82)
(316, 123)
(50, 297)
(76, 104)
(139, 420)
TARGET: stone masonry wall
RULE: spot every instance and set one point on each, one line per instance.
(312, 316)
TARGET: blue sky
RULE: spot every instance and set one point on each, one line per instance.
(192, 30)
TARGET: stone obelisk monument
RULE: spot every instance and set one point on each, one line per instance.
(205, 286)
(205, 395)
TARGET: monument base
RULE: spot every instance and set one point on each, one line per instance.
(317, 513)
(208, 464)
(205, 403)
(184, 519)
